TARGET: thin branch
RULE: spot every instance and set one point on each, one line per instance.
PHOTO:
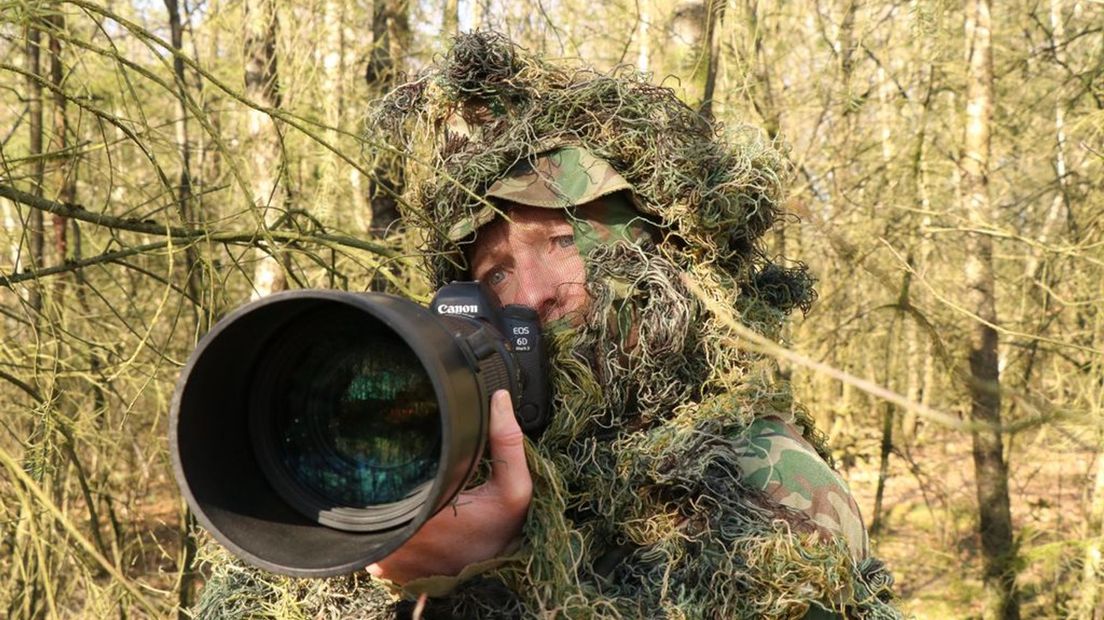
(43, 498)
(33, 393)
(175, 233)
(15, 126)
(760, 344)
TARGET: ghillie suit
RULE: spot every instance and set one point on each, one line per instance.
(643, 503)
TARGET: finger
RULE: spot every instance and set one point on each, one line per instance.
(509, 471)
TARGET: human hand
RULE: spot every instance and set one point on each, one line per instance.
(484, 520)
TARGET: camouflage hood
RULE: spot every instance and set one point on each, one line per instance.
(469, 125)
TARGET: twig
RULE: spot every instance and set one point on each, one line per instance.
(757, 342)
(152, 227)
(8, 462)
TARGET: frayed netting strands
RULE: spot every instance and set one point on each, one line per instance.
(489, 105)
(234, 591)
(639, 508)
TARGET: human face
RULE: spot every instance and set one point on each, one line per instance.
(531, 259)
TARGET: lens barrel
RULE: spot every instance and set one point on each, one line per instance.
(313, 432)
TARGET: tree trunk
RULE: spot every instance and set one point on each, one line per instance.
(711, 48)
(888, 408)
(35, 225)
(847, 44)
(643, 55)
(390, 37)
(995, 520)
(1090, 604)
(876, 522)
(184, 185)
(187, 573)
(763, 96)
(262, 87)
(693, 50)
(919, 357)
(66, 180)
(329, 55)
(210, 157)
(450, 19)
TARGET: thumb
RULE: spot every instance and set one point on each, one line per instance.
(509, 471)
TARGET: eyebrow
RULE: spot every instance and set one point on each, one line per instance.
(492, 258)
(495, 257)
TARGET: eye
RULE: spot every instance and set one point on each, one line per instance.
(495, 276)
(563, 241)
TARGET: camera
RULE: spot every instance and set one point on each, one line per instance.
(312, 432)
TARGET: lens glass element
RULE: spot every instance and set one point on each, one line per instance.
(358, 423)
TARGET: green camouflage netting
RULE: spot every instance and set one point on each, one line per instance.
(490, 106)
(641, 508)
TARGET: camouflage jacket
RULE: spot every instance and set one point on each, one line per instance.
(774, 458)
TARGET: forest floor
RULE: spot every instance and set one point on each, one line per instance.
(156, 518)
(929, 538)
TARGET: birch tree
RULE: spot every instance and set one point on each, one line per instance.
(262, 87)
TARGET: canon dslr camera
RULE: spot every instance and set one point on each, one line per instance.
(313, 432)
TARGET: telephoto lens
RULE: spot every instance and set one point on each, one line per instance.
(313, 432)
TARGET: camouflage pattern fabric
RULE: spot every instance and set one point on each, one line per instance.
(774, 458)
(609, 219)
(556, 179)
(561, 177)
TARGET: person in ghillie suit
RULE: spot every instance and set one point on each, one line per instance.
(677, 478)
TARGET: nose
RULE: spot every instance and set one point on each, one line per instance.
(539, 286)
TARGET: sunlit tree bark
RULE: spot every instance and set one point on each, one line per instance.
(991, 471)
(35, 224)
(711, 48)
(185, 182)
(187, 572)
(1089, 604)
(450, 19)
(693, 50)
(263, 88)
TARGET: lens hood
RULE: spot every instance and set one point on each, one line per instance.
(230, 415)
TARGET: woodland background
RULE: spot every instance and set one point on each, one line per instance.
(162, 163)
